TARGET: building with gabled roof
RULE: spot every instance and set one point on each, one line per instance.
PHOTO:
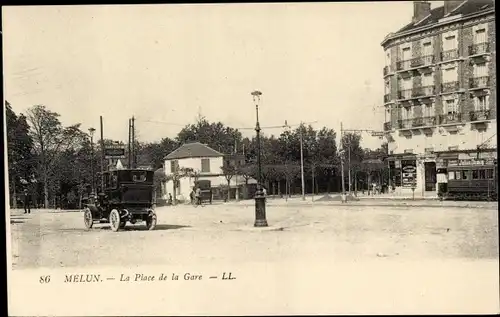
(193, 162)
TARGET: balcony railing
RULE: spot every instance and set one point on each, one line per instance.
(387, 70)
(450, 118)
(429, 121)
(423, 91)
(387, 126)
(480, 48)
(405, 94)
(479, 82)
(405, 64)
(449, 55)
(479, 115)
(450, 87)
(416, 122)
(387, 98)
(422, 61)
(405, 123)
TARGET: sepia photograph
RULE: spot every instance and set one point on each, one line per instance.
(251, 158)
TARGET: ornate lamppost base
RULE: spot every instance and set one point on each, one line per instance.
(260, 210)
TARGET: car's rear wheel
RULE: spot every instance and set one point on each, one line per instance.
(87, 218)
(114, 220)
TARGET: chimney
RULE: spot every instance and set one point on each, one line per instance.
(421, 9)
(450, 5)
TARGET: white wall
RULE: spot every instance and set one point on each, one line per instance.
(195, 164)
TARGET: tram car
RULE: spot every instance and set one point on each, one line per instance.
(471, 182)
(127, 196)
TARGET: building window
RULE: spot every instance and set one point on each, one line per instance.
(407, 113)
(480, 36)
(429, 110)
(480, 70)
(427, 50)
(481, 103)
(388, 59)
(451, 106)
(406, 54)
(449, 74)
(450, 43)
(205, 165)
(406, 84)
(387, 87)
(174, 166)
(427, 79)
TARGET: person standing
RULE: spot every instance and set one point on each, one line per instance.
(198, 196)
(27, 201)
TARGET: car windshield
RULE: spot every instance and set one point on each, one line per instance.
(138, 176)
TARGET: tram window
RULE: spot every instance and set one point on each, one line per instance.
(458, 175)
(475, 174)
(451, 175)
(464, 175)
(489, 173)
(482, 174)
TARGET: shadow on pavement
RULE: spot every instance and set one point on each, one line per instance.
(143, 227)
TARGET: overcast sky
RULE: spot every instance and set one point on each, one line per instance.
(165, 63)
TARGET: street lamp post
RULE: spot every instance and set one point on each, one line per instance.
(260, 199)
(91, 132)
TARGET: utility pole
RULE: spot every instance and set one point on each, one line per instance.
(134, 157)
(302, 166)
(129, 143)
(349, 165)
(102, 156)
(342, 160)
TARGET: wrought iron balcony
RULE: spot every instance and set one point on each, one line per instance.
(404, 64)
(480, 48)
(405, 94)
(423, 91)
(449, 55)
(429, 121)
(479, 82)
(422, 61)
(387, 98)
(450, 118)
(480, 115)
(405, 123)
(387, 126)
(418, 122)
(450, 87)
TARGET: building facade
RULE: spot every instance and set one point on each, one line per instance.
(440, 91)
(206, 163)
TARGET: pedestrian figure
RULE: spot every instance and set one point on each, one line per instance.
(198, 196)
(169, 198)
(27, 201)
(191, 195)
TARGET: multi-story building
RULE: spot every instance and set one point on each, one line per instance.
(440, 91)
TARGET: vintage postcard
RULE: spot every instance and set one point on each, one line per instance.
(251, 158)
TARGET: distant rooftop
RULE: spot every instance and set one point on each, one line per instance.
(191, 150)
(469, 7)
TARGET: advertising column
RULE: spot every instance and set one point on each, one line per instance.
(409, 173)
